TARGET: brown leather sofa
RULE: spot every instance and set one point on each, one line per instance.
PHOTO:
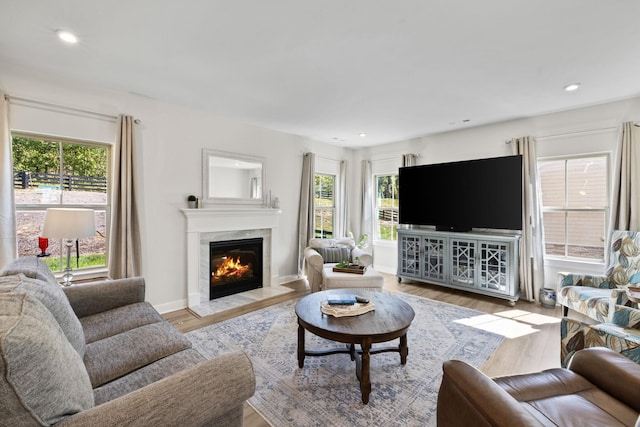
(599, 388)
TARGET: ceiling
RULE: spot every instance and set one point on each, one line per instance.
(332, 69)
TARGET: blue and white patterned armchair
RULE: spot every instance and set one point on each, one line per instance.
(592, 295)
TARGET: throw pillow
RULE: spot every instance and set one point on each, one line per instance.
(43, 379)
(54, 299)
(330, 255)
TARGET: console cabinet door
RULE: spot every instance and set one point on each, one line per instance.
(409, 255)
(494, 267)
(463, 262)
(435, 258)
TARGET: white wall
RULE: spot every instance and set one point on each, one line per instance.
(586, 130)
(170, 142)
(171, 139)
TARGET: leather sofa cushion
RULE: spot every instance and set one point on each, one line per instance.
(42, 377)
(113, 322)
(51, 295)
(557, 395)
(118, 355)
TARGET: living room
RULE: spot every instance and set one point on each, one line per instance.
(172, 134)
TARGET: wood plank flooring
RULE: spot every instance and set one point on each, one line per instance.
(533, 331)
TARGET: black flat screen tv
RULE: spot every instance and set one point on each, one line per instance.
(459, 196)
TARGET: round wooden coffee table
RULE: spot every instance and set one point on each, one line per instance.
(390, 320)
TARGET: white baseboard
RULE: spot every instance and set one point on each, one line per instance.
(168, 307)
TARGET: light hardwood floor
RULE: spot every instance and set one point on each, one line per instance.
(533, 332)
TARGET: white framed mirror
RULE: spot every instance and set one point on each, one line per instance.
(230, 178)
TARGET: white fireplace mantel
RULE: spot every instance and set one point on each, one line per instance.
(220, 220)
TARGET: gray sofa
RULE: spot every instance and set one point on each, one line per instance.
(99, 355)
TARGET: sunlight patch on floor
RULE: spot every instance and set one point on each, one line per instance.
(509, 324)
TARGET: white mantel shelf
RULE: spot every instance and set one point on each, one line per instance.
(226, 219)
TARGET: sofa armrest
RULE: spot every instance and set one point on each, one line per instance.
(591, 280)
(468, 397)
(96, 297)
(610, 371)
(211, 390)
(365, 258)
(313, 258)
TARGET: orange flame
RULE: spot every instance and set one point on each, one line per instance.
(231, 268)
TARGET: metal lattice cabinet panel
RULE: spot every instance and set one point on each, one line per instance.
(463, 259)
(409, 255)
(494, 266)
(434, 258)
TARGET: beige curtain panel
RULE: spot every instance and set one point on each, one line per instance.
(342, 220)
(532, 242)
(625, 200)
(125, 253)
(8, 246)
(305, 225)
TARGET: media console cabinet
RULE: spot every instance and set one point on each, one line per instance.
(477, 262)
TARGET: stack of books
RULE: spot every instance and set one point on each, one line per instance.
(345, 305)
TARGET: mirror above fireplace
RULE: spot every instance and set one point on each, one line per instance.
(229, 178)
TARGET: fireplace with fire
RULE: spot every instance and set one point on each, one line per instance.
(234, 266)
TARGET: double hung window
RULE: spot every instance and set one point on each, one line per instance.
(60, 173)
(575, 195)
(324, 205)
(386, 209)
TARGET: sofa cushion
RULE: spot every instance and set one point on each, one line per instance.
(51, 296)
(32, 267)
(147, 375)
(337, 254)
(112, 322)
(118, 355)
(344, 242)
(42, 377)
(592, 302)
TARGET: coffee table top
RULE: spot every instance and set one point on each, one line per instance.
(391, 318)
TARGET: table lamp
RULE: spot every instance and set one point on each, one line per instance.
(69, 224)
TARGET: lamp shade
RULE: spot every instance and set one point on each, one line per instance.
(69, 223)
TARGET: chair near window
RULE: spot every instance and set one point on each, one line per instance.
(323, 252)
(593, 295)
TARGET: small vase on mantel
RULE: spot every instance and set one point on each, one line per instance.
(192, 202)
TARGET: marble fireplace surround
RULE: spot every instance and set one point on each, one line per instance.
(216, 224)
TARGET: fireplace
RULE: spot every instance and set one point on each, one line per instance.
(234, 266)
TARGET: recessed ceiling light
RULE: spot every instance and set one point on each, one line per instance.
(362, 135)
(572, 87)
(67, 36)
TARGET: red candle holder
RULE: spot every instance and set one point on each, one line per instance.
(43, 243)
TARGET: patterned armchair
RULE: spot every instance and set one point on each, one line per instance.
(591, 294)
(621, 333)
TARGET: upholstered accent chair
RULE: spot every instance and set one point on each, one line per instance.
(620, 333)
(325, 252)
(591, 294)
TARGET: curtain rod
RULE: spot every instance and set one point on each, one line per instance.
(62, 108)
(580, 132)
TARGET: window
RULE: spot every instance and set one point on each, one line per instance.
(575, 207)
(324, 205)
(51, 173)
(386, 218)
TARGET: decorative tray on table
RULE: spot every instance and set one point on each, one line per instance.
(350, 268)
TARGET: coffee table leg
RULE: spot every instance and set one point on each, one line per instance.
(300, 346)
(404, 349)
(365, 379)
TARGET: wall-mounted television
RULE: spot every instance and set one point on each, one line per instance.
(459, 196)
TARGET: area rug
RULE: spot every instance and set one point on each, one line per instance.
(326, 391)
